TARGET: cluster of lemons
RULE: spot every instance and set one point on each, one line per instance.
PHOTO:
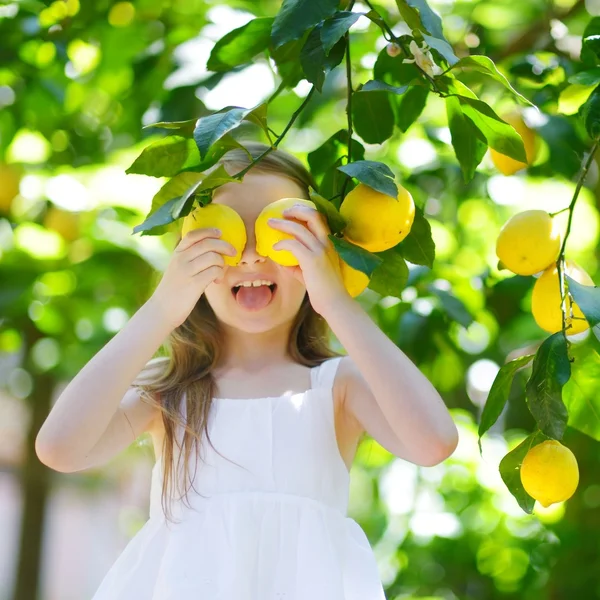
(374, 221)
(530, 243)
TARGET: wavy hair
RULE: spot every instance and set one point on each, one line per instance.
(193, 349)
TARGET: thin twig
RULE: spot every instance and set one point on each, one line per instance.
(306, 100)
(560, 261)
(350, 91)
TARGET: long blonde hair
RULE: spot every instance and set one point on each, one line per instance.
(193, 349)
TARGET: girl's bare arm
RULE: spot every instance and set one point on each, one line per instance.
(99, 414)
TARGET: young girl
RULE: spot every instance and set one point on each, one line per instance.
(276, 414)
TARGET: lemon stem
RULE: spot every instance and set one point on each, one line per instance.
(350, 91)
(560, 261)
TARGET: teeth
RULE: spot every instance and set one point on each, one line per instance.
(254, 283)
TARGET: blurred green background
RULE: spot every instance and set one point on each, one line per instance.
(77, 84)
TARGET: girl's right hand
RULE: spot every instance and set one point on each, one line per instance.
(196, 262)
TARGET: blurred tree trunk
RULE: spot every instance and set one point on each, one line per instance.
(35, 480)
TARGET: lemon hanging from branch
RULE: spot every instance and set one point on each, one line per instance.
(549, 473)
(528, 242)
(376, 221)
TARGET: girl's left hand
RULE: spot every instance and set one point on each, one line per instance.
(318, 268)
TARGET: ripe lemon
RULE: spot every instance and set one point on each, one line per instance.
(528, 242)
(266, 235)
(222, 217)
(506, 164)
(376, 221)
(355, 281)
(549, 473)
(545, 300)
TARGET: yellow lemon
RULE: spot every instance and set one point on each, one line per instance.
(222, 217)
(507, 165)
(545, 300)
(64, 222)
(376, 221)
(528, 242)
(549, 473)
(267, 236)
(355, 281)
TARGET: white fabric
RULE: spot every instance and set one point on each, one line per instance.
(272, 528)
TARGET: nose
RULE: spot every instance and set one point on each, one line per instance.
(249, 255)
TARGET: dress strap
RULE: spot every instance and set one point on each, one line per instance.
(325, 372)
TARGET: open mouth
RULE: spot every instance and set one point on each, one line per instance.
(235, 289)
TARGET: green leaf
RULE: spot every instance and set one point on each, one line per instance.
(591, 114)
(175, 187)
(587, 297)
(183, 128)
(162, 216)
(335, 27)
(443, 47)
(580, 393)
(376, 85)
(592, 44)
(166, 157)
(373, 116)
(315, 63)
(510, 470)
(498, 395)
(409, 14)
(393, 71)
(551, 370)
(333, 149)
(589, 77)
(470, 145)
(296, 16)
(258, 116)
(500, 135)
(454, 307)
(181, 205)
(390, 277)
(486, 65)
(430, 19)
(418, 246)
(241, 45)
(410, 106)
(374, 174)
(326, 207)
(589, 43)
(357, 257)
(213, 127)
(287, 59)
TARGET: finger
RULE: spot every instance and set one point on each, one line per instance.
(209, 245)
(299, 231)
(196, 235)
(299, 250)
(314, 220)
(206, 260)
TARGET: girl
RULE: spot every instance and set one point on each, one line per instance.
(252, 410)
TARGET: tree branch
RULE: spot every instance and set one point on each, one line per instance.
(560, 261)
(306, 100)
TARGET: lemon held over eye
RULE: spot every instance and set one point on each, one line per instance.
(222, 217)
(267, 236)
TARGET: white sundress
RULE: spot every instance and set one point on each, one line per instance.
(272, 528)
